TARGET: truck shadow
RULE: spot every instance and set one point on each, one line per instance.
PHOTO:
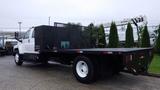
(50, 66)
(123, 79)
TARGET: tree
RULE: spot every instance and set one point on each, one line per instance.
(129, 37)
(145, 38)
(157, 44)
(113, 36)
(76, 26)
(139, 43)
(90, 36)
(101, 37)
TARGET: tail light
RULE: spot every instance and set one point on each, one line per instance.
(129, 58)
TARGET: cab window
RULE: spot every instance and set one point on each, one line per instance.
(33, 34)
(26, 36)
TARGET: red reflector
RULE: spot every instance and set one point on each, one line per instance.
(107, 52)
(79, 51)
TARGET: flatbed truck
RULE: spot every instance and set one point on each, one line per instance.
(67, 46)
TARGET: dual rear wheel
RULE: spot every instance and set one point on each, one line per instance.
(84, 70)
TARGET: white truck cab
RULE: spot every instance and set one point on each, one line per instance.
(25, 47)
(27, 43)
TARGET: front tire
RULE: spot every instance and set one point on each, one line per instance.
(17, 59)
(84, 70)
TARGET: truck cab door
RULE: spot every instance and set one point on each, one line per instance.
(25, 41)
(29, 41)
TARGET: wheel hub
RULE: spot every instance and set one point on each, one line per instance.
(82, 69)
(17, 58)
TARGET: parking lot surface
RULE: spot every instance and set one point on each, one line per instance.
(59, 77)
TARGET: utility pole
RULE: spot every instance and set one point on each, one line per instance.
(20, 29)
(49, 20)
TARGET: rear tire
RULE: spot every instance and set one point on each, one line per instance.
(84, 70)
(43, 60)
(18, 59)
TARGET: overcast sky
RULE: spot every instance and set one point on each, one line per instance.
(36, 12)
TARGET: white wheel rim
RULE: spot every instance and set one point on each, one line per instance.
(17, 58)
(82, 69)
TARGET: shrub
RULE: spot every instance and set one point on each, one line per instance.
(129, 37)
(157, 44)
(145, 38)
(113, 36)
(90, 36)
(101, 37)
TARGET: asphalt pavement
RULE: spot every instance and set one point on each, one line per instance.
(59, 77)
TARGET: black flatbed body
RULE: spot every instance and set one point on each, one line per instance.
(100, 50)
(109, 49)
(136, 60)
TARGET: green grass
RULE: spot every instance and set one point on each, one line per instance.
(155, 65)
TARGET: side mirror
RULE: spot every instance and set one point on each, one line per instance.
(17, 37)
